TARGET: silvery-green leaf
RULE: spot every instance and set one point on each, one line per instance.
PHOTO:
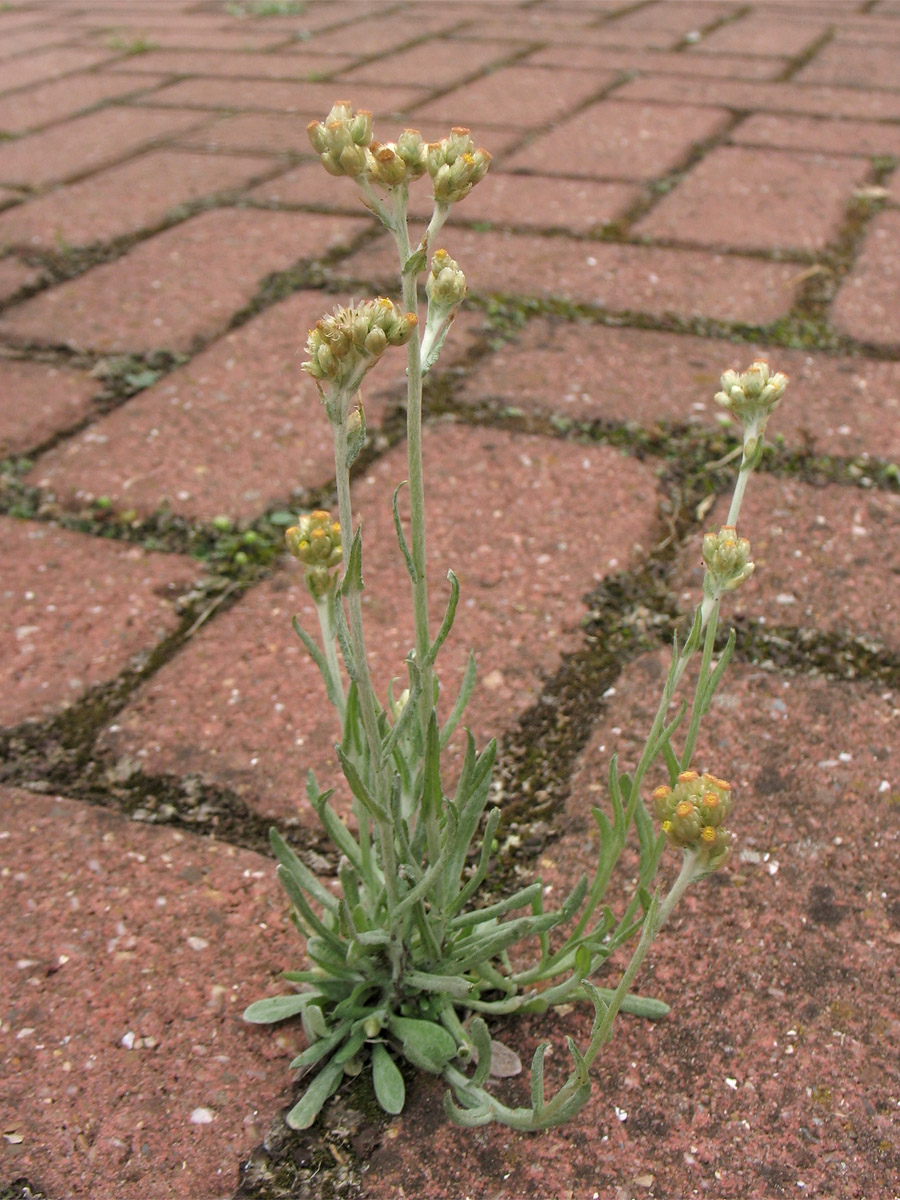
(277, 1008)
(425, 1044)
(390, 1089)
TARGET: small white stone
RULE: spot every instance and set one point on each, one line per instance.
(197, 943)
(202, 1116)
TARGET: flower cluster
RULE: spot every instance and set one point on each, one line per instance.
(316, 541)
(446, 284)
(752, 396)
(727, 560)
(345, 145)
(393, 163)
(341, 139)
(692, 815)
(455, 166)
(343, 346)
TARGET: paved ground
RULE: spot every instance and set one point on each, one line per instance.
(677, 187)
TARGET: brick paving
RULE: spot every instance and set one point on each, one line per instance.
(678, 186)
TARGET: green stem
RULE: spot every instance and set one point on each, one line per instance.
(697, 707)
(366, 690)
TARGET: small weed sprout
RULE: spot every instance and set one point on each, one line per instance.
(409, 961)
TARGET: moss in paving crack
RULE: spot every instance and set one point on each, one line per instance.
(838, 655)
(22, 1189)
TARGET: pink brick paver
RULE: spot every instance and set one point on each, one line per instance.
(47, 64)
(441, 64)
(840, 406)
(15, 275)
(311, 99)
(758, 33)
(820, 555)
(237, 429)
(244, 705)
(41, 104)
(76, 610)
(767, 97)
(124, 199)
(36, 400)
(757, 200)
(853, 64)
(517, 95)
(86, 143)
(680, 283)
(621, 141)
(128, 1071)
(866, 305)
(562, 54)
(178, 286)
(867, 138)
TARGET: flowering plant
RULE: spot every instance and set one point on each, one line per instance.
(410, 961)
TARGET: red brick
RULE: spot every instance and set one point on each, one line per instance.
(310, 184)
(311, 99)
(757, 200)
(617, 278)
(866, 138)
(47, 64)
(518, 96)
(866, 305)
(838, 406)
(235, 431)
(117, 936)
(76, 611)
(235, 64)
(179, 286)
(681, 19)
(243, 704)
(621, 141)
(36, 400)
(539, 202)
(772, 97)
(176, 37)
(86, 143)
(377, 33)
(606, 58)
(14, 275)
(853, 64)
(124, 199)
(250, 133)
(763, 33)
(820, 557)
(39, 105)
(439, 63)
(38, 37)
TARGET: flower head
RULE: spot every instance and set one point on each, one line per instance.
(316, 541)
(752, 397)
(692, 815)
(397, 162)
(727, 560)
(342, 347)
(341, 139)
(455, 166)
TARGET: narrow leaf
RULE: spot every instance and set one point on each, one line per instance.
(447, 623)
(277, 1008)
(401, 536)
(310, 1103)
